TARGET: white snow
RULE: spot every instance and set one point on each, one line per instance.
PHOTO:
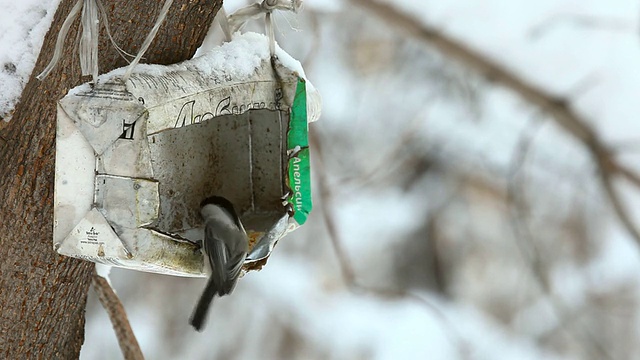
(23, 25)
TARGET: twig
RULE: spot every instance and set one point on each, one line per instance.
(348, 273)
(118, 316)
(628, 174)
(389, 163)
(589, 21)
(345, 265)
(618, 207)
(520, 228)
(558, 107)
(524, 237)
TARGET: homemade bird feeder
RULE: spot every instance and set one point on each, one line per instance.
(134, 158)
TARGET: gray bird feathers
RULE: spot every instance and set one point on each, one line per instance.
(225, 247)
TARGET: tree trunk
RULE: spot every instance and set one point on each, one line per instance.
(43, 294)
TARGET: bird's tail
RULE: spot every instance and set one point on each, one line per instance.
(199, 314)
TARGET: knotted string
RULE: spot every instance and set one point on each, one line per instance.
(62, 35)
(92, 11)
(236, 21)
(148, 40)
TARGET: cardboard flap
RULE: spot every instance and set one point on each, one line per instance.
(127, 202)
(94, 238)
(102, 113)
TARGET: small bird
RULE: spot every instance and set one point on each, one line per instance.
(225, 245)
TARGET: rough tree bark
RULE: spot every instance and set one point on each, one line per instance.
(42, 294)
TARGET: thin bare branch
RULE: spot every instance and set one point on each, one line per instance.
(558, 107)
(348, 273)
(618, 207)
(118, 316)
(588, 21)
(526, 243)
(628, 174)
(524, 238)
(345, 265)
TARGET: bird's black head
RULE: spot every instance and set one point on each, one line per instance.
(225, 204)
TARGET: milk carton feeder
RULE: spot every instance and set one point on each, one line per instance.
(134, 159)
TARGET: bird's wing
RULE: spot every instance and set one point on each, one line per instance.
(233, 272)
(218, 253)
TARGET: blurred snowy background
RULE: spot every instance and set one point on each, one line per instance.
(453, 219)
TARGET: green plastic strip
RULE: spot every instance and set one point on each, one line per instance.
(299, 165)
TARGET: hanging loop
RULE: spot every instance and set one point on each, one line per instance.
(92, 12)
(62, 35)
(236, 21)
(148, 40)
